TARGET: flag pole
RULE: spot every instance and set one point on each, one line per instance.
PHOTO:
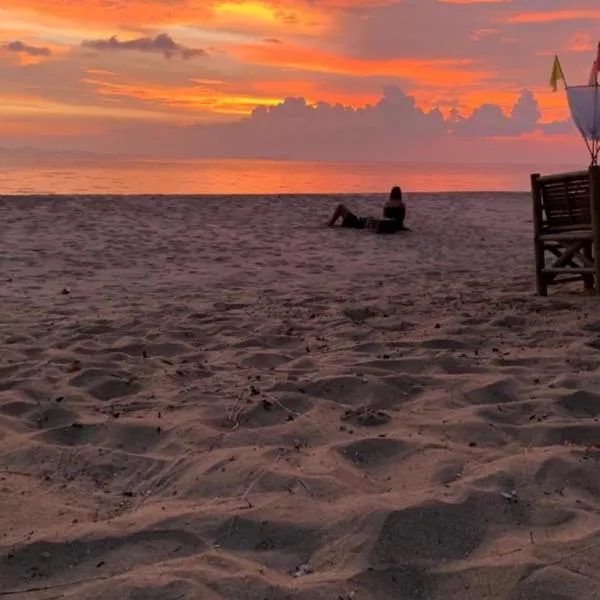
(563, 75)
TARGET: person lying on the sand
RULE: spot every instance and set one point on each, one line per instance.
(394, 212)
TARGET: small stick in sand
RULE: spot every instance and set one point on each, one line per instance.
(305, 486)
(572, 554)
(10, 472)
(290, 411)
(259, 477)
(254, 482)
(235, 411)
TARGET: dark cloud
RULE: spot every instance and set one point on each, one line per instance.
(162, 43)
(21, 48)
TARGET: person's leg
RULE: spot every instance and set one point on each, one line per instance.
(340, 211)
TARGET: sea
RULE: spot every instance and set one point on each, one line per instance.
(118, 175)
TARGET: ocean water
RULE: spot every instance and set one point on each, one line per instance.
(66, 175)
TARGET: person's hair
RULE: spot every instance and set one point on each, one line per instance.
(396, 193)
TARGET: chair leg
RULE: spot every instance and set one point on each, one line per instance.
(541, 283)
(588, 280)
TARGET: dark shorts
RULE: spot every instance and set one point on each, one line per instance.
(354, 222)
(389, 226)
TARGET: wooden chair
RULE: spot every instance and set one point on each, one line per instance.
(566, 221)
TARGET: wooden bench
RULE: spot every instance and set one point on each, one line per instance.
(566, 222)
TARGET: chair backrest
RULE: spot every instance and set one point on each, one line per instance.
(566, 200)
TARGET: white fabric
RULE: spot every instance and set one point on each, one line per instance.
(593, 74)
(584, 103)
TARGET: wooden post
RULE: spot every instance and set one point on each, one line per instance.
(595, 209)
(541, 285)
(588, 252)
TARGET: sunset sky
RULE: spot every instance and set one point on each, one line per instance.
(329, 79)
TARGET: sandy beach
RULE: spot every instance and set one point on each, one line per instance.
(218, 398)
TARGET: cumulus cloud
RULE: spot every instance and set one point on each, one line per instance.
(162, 43)
(394, 128)
(298, 130)
(488, 120)
(19, 47)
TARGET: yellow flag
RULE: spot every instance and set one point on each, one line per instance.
(557, 73)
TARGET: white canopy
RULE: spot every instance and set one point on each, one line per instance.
(584, 103)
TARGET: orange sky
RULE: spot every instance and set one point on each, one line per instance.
(103, 64)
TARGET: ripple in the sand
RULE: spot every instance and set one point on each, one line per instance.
(105, 385)
(144, 348)
(152, 587)
(473, 432)
(495, 392)
(88, 463)
(45, 560)
(406, 582)
(250, 535)
(359, 314)
(443, 344)
(581, 404)
(51, 417)
(98, 328)
(556, 583)
(375, 452)
(513, 322)
(17, 408)
(579, 434)
(122, 436)
(434, 532)
(556, 474)
(287, 342)
(266, 360)
(366, 416)
(268, 412)
(457, 365)
(10, 384)
(9, 371)
(448, 471)
(406, 366)
(593, 327)
(132, 437)
(75, 434)
(515, 413)
(441, 531)
(354, 390)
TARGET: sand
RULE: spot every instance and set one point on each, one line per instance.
(217, 398)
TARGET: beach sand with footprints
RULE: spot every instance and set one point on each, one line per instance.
(218, 398)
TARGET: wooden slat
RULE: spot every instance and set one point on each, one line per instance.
(567, 202)
(564, 221)
(566, 228)
(567, 270)
(554, 191)
(566, 236)
(559, 177)
(574, 185)
(575, 278)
